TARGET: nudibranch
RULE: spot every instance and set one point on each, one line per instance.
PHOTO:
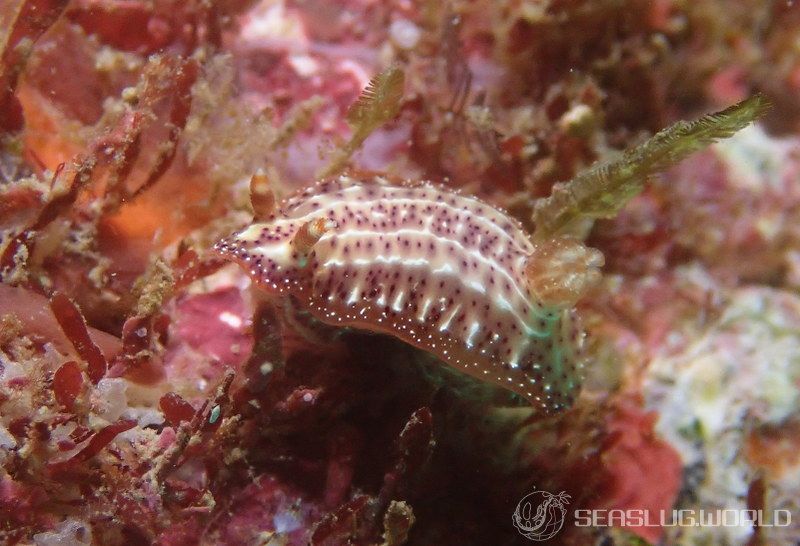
(440, 270)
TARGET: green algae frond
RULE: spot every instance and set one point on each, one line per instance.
(604, 189)
(379, 102)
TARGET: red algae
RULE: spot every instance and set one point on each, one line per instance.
(67, 383)
(73, 324)
(635, 460)
(34, 312)
(24, 22)
(175, 408)
(94, 444)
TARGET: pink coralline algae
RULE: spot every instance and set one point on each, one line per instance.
(635, 459)
(442, 271)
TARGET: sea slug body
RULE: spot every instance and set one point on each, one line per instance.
(442, 271)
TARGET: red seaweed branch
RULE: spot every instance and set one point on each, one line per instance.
(28, 20)
(97, 442)
(73, 324)
(185, 75)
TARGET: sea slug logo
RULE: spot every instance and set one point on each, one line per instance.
(540, 515)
